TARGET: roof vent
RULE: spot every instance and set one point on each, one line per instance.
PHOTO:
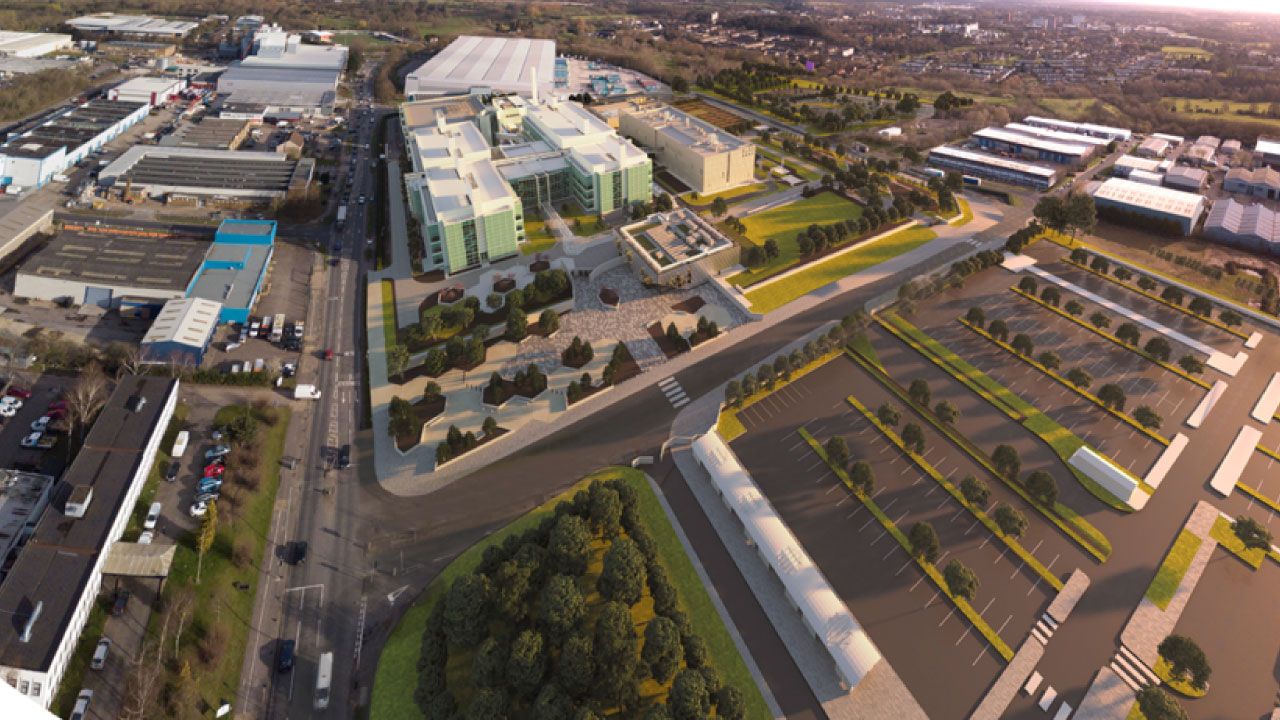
(31, 621)
(136, 403)
(78, 503)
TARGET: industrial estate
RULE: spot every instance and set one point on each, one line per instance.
(656, 360)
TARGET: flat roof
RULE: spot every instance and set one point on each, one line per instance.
(687, 130)
(103, 258)
(1016, 138)
(148, 84)
(132, 24)
(676, 236)
(1151, 197)
(58, 560)
(455, 108)
(459, 142)
(21, 42)
(1058, 135)
(994, 161)
(233, 287)
(201, 170)
(476, 186)
(70, 129)
(208, 134)
(500, 63)
(1267, 146)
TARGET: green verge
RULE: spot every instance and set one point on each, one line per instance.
(963, 605)
(1227, 540)
(1010, 541)
(861, 346)
(1079, 391)
(1060, 439)
(1135, 712)
(1178, 685)
(1175, 565)
(1156, 298)
(73, 677)
(820, 274)
(1067, 520)
(396, 677)
(728, 424)
(389, 327)
(1099, 331)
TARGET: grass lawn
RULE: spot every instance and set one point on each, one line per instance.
(1135, 713)
(1179, 685)
(1172, 569)
(396, 677)
(780, 292)
(1220, 109)
(586, 225)
(389, 326)
(696, 199)
(1071, 108)
(1188, 51)
(1228, 541)
(966, 212)
(540, 238)
(782, 224)
(73, 677)
(778, 155)
(217, 602)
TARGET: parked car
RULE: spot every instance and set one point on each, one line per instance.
(198, 509)
(100, 654)
(41, 423)
(122, 602)
(207, 497)
(146, 537)
(59, 405)
(82, 705)
(8, 411)
(153, 516)
(208, 484)
(344, 458)
(214, 469)
(172, 473)
(235, 368)
(284, 663)
(32, 440)
(56, 414)
(217, 452)
(11, 401)
(20, 392)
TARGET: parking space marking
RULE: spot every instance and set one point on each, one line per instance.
(882, 534)
(950, 612)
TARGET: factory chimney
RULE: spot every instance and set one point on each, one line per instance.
(533, 85)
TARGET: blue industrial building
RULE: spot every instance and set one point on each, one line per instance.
(235, 266)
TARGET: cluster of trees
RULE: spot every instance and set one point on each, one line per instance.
(528, 382)
(676, 338)
(768, 374)
(662, 202)
(23, 95)
(948, 100)
(706, 330)
(1021, 237)
(578, 353)
(1075, 213)
(1199, 266)
(975, 263)
(523, 615)
(577, 388)
(457, 442)
(1171, 294)
(517, 327)
(610, 373)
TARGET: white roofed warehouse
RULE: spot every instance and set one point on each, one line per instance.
(485, 64)
(1133, 203)
(995, 168)
(1267, 152)
(1035, 148)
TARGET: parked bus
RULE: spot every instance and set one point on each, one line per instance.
(324, 676)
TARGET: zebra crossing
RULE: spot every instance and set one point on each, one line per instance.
(675, 394)
(1132, 670)
(1043, 629)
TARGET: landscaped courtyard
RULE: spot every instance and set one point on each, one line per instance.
(783, 225)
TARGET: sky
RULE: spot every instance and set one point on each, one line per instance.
(1240, 6)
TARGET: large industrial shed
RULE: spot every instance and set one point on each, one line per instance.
(235, 267)
(1128, 197)
(183, 329)
(491, 64)
(1038, 148)
(1251, 227)
(826, 615)
(33, 158)
(159, 171)
(993, 167)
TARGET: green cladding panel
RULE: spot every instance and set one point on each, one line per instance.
(640, 183)
(500, 234)
(455, 247)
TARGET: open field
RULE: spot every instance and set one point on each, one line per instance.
(397, 678)
(781, 292)
(1073, 108)
(1186, 51)
(1221, 110)
(784, 223)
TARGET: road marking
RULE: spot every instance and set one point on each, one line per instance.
(1002, 552)
(882, 534)
(950, 612)
(964, 635)
(1006, 622)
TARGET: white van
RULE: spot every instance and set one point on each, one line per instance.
(180, 444)
(153, 517)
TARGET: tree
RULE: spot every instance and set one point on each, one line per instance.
(919, 392)
(733, 393)
(1186, 660)
(1051, 295)
(1123, 274)
(87, 396)
(1100, 320)
(1009, 520)
(1146, 284)
(1050, 360)
(913, 438)
(527, 664)
(1172, 295)
(1051, 212)
(466, 610)
(517, 324)
(397, 360)
(838, 451)
(1148, 417)
(1156, 704)
(1007, 461)
(435, 362)
(695, 650)
(961, 581)
(549, 321)
(1080, 256)
(570, 545)
(731, 704)
(208, 531)
(1251, 533)
(1028, 285)
(488, 704)
(1081, 213)
(1023, 344)
(719, 207)
(1230, 318)
(605, 508)
(999, 330)
(1128, 333)
(862, 477)
(888, 415)
(688, 698)
(665, 597)
(1100, 265)
(679, 84)
(1158, 348)
(615, 654)
(771, 249)
(1191, 364)
(976, 317)
(946, 412)
(1073, 308)
(1112, 396)
(1200, 305)
(561, 608)
(1080, 377)
(975, 491)
(622, 574)
(1042, 487)
(924, 542)
(662, 650)
(575, 667)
